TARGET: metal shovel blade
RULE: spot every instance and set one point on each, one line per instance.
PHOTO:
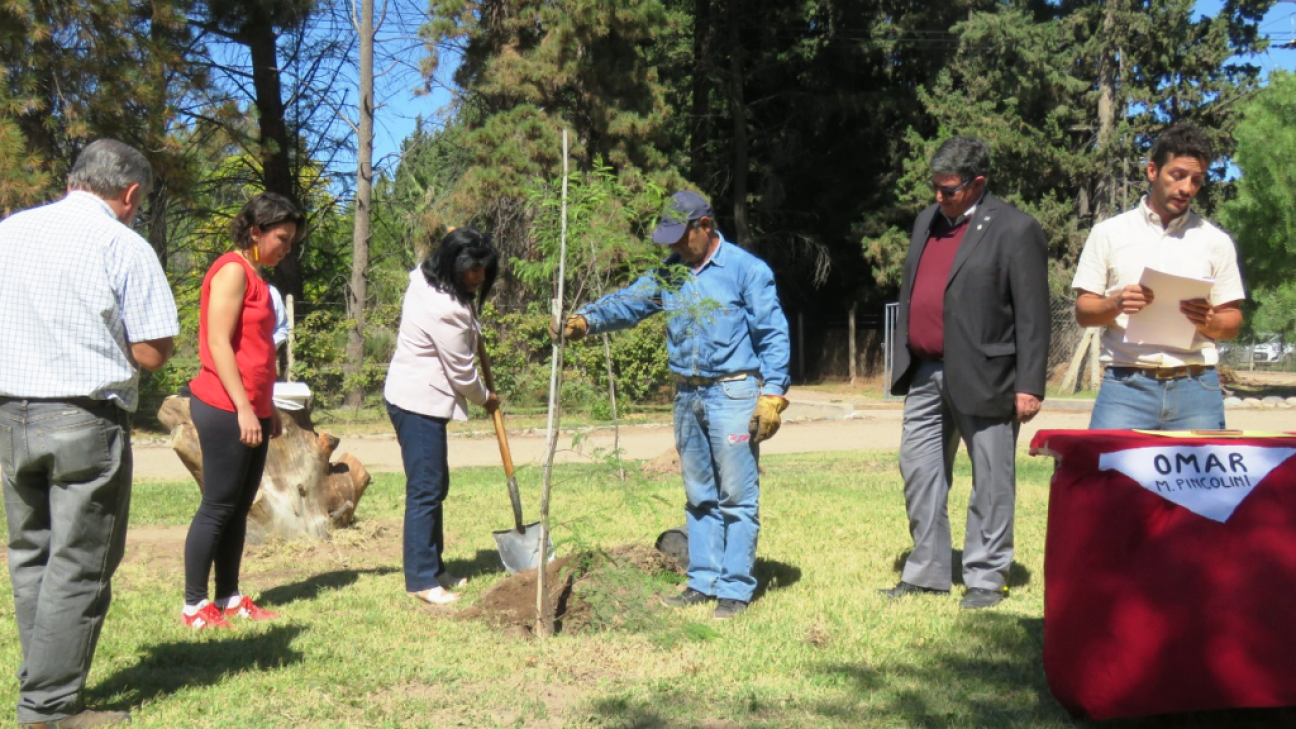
(521, 550)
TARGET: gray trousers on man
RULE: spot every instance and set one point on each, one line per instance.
(930, 438)
(67, 485)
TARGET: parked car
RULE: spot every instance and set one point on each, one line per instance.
(1271, 352)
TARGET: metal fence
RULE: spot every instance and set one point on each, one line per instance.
(1070, 369)
(889, 320)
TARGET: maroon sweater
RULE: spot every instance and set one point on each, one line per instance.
(927, 300)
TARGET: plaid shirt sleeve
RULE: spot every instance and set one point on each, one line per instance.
(148, 310)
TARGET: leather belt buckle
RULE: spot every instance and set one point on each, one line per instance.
(694, 380)
(1174, 373)
(697, 381)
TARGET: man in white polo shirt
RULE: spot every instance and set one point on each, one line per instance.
(83, 305)
(1150, 386)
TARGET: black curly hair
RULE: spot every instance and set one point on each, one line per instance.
(458, 251)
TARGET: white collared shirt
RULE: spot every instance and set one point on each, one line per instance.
(1120, 248)
(77, 288)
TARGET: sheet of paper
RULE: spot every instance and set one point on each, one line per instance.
(1161, 323)
(1217, 433)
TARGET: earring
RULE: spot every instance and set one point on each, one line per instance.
(256, 253)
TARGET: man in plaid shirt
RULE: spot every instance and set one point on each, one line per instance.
(83, 304)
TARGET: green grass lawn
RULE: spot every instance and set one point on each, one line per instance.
(818, 648)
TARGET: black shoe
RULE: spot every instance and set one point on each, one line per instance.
(904, 588)
(729, 609)
(687, 598)
(978, 598)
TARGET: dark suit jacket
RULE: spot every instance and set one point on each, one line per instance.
(997, 317)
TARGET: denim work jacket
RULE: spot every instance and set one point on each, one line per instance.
(723, 319)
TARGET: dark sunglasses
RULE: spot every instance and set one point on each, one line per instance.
(949, 191)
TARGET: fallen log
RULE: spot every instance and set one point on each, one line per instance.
(302, 493)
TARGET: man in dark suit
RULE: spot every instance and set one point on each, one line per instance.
(975, 296)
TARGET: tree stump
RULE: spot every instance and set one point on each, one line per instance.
(302, 494)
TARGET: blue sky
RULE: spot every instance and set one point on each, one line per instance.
(396, 119)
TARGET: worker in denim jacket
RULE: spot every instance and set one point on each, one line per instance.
(727, 341)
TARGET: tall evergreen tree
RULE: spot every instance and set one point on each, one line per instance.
(527, 69)
(74, 72)
(1261, 217)
(1070, 97)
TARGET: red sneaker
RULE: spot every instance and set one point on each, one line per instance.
(248, 610)
(208, 617)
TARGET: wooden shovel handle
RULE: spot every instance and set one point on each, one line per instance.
(501, 435)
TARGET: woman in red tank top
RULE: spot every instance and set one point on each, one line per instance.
(232, 407)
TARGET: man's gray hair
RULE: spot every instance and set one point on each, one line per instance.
(107, 166)
(967, 157)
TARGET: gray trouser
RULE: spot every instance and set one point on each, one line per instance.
(930, 438)
(67, 477)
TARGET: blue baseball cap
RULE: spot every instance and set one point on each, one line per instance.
(684, 208)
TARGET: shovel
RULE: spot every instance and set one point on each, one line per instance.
(519, 547)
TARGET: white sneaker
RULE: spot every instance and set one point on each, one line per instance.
(436, 596)
(450, 581)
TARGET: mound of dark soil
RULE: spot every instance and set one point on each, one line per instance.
(583, 589)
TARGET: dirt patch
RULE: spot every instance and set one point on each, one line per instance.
(154, 551)
(667, 463)
(588, 590)
(1260, 383)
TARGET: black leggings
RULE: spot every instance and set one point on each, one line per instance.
(231, 476)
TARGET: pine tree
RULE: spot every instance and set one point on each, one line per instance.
(530, 68)
(75, 72)
(1070, 97)
(1261, 217)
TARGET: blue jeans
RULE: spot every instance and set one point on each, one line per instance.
(1132, 399)
(67, 486)
(722, 484)
(422, 441)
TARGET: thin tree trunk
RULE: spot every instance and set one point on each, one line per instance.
(701, 102)
(616, 420)
(262, 43)
(544, 621)
(357, 292)
(738, 109)
(1105, 202)
(611, 374)
(157, 228)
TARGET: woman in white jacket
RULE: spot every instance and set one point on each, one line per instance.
(431, 379)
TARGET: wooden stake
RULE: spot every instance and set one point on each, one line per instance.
(1095, 355)
(1072, 376)
(850, 337)
(292, 324)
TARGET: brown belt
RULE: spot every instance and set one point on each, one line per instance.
(1167, 373)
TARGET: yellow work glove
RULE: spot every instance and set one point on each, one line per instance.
(574, 330)
(765, 419)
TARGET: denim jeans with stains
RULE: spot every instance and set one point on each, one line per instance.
(719, 461)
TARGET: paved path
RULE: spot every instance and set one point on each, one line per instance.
(851, 429)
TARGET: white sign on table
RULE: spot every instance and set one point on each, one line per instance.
(1211, 481)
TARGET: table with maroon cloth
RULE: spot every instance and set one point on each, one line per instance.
(1151, 607)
